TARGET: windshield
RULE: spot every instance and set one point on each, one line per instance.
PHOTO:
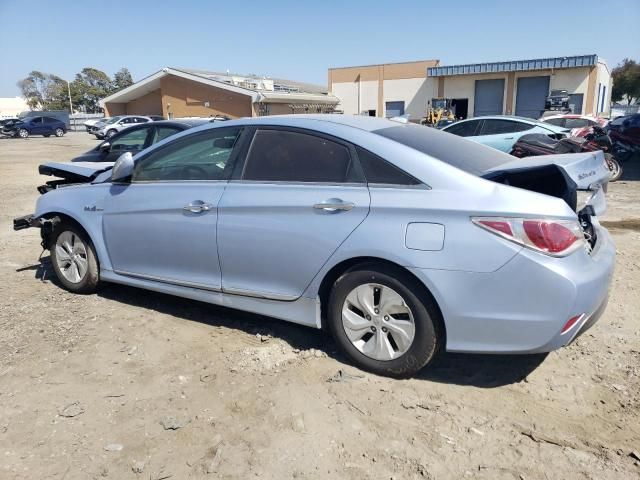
(557, 93)
(112, 120)
(446, 147)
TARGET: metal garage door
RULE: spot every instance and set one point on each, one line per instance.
(532, 91)
(488, 97)
(575, 102)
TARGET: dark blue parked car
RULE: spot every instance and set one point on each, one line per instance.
(45, 126)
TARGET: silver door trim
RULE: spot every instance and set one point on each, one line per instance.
(179, 283)
(254, 294)
(200, 286)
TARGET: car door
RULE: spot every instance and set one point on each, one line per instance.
(501, 134)
(162, 225)
(133, 141)
(299, 195)
(36, 126)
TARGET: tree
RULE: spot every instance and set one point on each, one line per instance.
(121, 79)
(626, 81)
(44, 91)
(89, 86)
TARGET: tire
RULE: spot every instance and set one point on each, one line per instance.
(59, 132)
(615, 168)
(23, 133)
(68, 246)
(46, 135)
(397, 354)
(111, 133)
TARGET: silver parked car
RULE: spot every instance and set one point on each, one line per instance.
(401, 239)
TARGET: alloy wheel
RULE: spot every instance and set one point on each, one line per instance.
(378, 321)
(71, 256)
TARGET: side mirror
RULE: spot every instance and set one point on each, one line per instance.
(105, 146)
(123, 168)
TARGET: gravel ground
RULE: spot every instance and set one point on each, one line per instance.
(130, 384)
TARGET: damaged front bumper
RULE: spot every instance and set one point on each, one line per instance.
(26, 221)
(46, 226)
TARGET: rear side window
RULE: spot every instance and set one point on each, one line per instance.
(459, 152)
(378, 170)
(163, 132)
(464, 129)
(558, 122)
(579, 123)
(496, 127)
(285, 156)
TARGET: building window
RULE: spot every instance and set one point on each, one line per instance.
(394, 109)
(372, 113)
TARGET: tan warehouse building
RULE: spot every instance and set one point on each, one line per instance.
(512, 88)
(175, 93)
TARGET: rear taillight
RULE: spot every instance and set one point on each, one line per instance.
(553, 237)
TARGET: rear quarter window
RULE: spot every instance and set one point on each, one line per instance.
(461, 153)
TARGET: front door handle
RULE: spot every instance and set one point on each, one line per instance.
(508, 138)
(198, 206)
(334, 205)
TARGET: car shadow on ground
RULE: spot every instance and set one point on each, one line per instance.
(483, 371)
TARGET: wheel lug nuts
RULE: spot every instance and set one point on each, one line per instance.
(377, 311)
(386, 317)
(384, 329)
(373, 329)
(368, 317)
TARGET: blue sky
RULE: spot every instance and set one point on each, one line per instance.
(298, 39)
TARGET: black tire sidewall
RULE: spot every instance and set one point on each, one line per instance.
(90, 281)
(427, 340)
(61, 132)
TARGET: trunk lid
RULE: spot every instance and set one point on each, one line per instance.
(581, 179)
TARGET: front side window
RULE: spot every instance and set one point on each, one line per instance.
(202, 156)
(497, 127)
(130, 141)
(285, 156)
(36, 120)
(464, 129)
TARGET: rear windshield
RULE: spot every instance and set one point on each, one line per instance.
(464, 154)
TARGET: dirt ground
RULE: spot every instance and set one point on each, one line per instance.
(129, 384)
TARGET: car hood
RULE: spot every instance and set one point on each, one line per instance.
(82, 172)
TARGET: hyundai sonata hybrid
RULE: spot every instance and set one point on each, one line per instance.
(399, 239)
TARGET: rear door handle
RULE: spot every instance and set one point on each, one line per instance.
(334, 205)
(198, 206)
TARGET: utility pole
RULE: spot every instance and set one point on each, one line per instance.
(70, 102)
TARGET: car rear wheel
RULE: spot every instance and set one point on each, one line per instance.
(23, 133)
(382, 321)
(74, 259)
(59, 132)
(111, 133)
(46, 135)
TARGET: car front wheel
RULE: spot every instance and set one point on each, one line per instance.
(74, 259)
(383, 321)
(111, 133)
(23, 133)
(59, 132)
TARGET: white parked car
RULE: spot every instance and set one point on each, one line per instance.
(117, 124)
(92, 123)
